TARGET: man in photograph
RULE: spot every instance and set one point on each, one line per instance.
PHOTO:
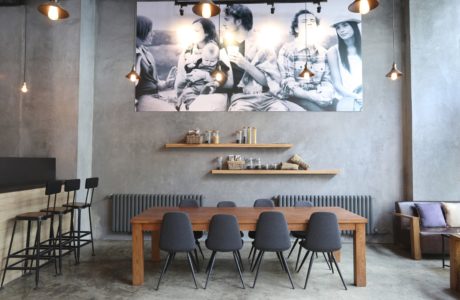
(254, 76)
(312, 93)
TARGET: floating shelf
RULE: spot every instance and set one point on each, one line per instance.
(275, 172)
(229, 145)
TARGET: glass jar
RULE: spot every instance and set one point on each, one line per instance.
(215, 137)
(207, 137)
(220, 162)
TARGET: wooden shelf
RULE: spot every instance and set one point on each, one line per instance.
(275, 172)
(229, 145)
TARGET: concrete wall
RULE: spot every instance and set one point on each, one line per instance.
(128, 151)
(42, 122)
(435, 68)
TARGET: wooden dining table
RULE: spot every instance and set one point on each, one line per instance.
(296, 217)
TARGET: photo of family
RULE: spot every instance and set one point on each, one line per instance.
(247, 59)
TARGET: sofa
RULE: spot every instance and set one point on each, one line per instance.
(419, 225)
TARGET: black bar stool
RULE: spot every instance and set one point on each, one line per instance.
(42, 250)
(80, 235)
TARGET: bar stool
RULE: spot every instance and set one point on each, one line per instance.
(79, 235)
(42, 250)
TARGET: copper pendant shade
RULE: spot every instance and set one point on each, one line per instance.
(394, 73)
(219, 75)
(53, 10)
(206, 9)
(133, 76)
(356, 6)
(306, 73)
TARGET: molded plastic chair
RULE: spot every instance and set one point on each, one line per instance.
(272, 235)
(252, 234)
(229, 204)
(224, 236)
(192, 203)
(299, 235)
(323, 235)
(176, 235)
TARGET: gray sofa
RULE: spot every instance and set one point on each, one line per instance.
(409, 233)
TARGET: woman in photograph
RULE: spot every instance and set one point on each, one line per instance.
(149, 84)
(194, 70)
(346, 66)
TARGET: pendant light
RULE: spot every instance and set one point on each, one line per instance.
(363, 6)
(394, 72)
(306, 73)
(206, 9)
(133, 76)
(218, 74)
(24, 88)
(53, 10)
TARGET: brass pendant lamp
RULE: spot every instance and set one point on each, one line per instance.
(218, 74)
(53, 10)
(133, 75)
(363, 6)
(394, 73)
(306, 73)
(206, 9)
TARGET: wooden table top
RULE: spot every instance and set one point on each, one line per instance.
(248, 215)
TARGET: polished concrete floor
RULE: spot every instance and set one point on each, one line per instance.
(390, 275)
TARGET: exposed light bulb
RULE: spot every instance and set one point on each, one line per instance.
(24, 88)
(53, 13)
(206, 10)
(364, 7)
(394, 75)
(219, 77)
(133, 77)
(306, 75)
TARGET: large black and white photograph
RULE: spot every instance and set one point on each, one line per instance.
(250, 57)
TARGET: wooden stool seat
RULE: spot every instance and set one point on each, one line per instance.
(56, 210)
(36, 215)
(77, 205)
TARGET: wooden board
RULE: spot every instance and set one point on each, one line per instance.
(275, 172)
(229, 145)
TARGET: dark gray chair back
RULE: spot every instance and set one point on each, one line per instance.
(272, 232)
(303, 203)
(264, 203)
(323, 234)
(91, 183)
(192, 203)
(226, 204)
(176, 233)
(224, 234)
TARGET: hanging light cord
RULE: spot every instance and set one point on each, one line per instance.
(306, 44)
(393, 19)
(25, 42)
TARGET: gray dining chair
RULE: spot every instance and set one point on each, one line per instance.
(224, 236)
(272, 235)
(252, 234)
(323, 235)
(192, 203)
(176, 235)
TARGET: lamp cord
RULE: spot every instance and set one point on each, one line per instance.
(306, 44)
(393, 19)
(25, 42)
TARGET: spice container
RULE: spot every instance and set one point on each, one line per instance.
(215, 137)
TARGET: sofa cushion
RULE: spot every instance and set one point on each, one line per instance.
(452, 211)
(431, 214)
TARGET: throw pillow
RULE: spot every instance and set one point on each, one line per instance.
(452, 211)
(430, 214)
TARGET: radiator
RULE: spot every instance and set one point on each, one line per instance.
(126, 206)
(361, 204)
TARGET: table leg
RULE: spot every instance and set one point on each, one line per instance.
(454, 263)
(359, 254)
(156, 246)
(138, 254)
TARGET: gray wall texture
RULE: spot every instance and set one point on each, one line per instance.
(369, 147)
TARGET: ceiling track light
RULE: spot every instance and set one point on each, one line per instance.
(53, 10)
(363, 6)
(206, 9)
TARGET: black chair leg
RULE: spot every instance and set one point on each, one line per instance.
(298, 258)
(330, 265)
(255, 261)
(327, 262)
(258, 263)
(237, 259)
(26, 262)
(60, 243)
(9, 252)
(286, 268)
(72, 236)
(91, 230)
(79, 234)
(292, 249)
(250, 252)
(241, 261)
(338, 271)
(37, 270)
(254, 255)
(303, 261)
(309, 270)
(163, 271)
(211, 261)
(191, 268)
(199, 247)
(195, 260)
(281, 262)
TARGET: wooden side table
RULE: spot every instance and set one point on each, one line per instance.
(454, 242)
